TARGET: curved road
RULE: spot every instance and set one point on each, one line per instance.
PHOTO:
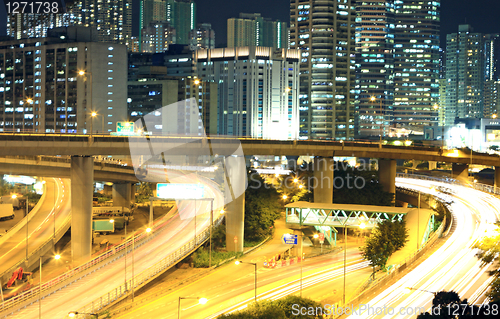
(40, 225)
(452, 267)
(178, 232)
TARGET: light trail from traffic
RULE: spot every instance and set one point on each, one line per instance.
(454, 265)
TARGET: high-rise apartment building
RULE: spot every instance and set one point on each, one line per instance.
(157, 36)
(465, 74)
(416, 63)
(374, 67)
(111, 18)
(42, 90)
(323, 31)
(251, 29)
(181, 14)
(491, 105)
(258, 90)
(203, 37)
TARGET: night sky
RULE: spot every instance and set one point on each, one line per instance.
(483, 15)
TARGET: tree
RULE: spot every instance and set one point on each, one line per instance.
(447, 305)
(144, 192)
(262, 207)
(387, 238)
(494, 293)
(489, 248)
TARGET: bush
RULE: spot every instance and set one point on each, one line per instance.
(277, 309)
(201, 257)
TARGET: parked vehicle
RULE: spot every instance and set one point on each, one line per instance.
(6, 212)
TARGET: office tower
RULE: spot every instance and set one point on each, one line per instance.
(179, 60)
(258, 90)
(251, 29)
(416, 64)
(441, 105)
(491, 56)
(323, 31)
(134, 44)
(181, 14)
(491, 99)
(203, 37)
(374, 67)
(42, 90)
(157, 36)
(465, 74)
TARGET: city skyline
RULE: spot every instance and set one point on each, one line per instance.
(216, 12)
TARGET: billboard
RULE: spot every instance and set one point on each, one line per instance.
(180, 191)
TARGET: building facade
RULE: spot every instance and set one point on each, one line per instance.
(42, 90)
(181, 14)
(203, 37)
(157, 36)
(416, 64)
(374, 67)
(324, 32)
(464, 74)
(257, 90)
(112, 19)
(251, 29)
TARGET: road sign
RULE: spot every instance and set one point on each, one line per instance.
(103, 225)
(289, 239)
(321, 238)
(125, 128)
(180, 191)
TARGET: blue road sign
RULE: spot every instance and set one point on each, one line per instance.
(289, 239)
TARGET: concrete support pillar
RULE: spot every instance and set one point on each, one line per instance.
(432, 165)
(132, 193)
(121, 194)
(82, 187)
(460, 172)
(387, 176)
(234, 193)
(497, 177)
(323, 180)
(108, 190)
(153, 187)
(292, 162)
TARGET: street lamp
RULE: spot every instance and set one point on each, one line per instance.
(74, 313)
(284, 197)
(362, 226)
(56, 257)
(255, 265)
(94, 114)
(201, 301)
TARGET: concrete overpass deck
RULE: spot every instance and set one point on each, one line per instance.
(86, 145)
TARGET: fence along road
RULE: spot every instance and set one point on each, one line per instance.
(170, 240)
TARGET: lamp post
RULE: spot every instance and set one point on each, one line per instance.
(74, 313)
(92, 115)
(345, 257)
(418, 221)
(255, 265)
(148, 230)
(201, 301)
(88, 105)
(56, 257)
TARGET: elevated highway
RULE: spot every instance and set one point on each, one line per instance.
(85, 145)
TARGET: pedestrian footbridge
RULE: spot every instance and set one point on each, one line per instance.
(324, 215)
